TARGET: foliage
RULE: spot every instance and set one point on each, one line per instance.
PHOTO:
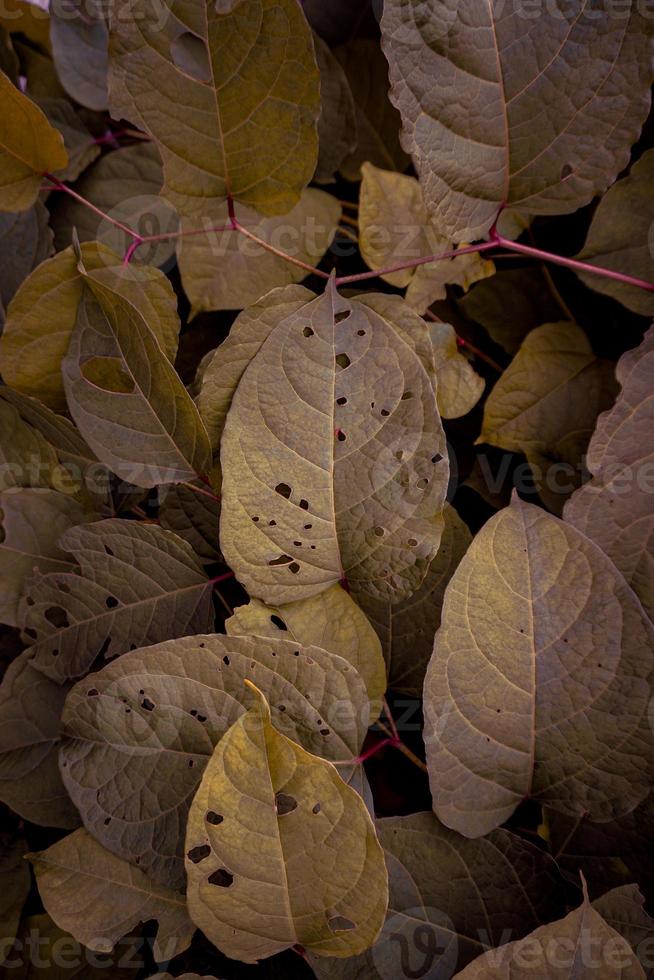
(326, 489)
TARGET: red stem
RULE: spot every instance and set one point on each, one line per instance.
(221, 578)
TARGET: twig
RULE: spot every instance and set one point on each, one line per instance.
(201, 491)
(466, 343)
(404, 749)
(391, 720)
(348, 204)
(60, 186)
(348, 234)
(368, 754)
(414, 263)
(276, 251)
(350, 221)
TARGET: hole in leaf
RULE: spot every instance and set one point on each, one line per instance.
(308, 332)
(92, 692)
(339, 317)
(316, 809)
(272, 523)
(422, 484)
(279, 623)
(214, 818)
(283, 490)
(284, 804)
(111, 602)
(437, 458)
(147, 704)
(199, 853)
(385, 413)
(294, 567)
(107, 821)
(304, 504)
(108, 551)
(281, 560)
(190, 55)
(226, 660)
(255, 519)
(324, 731)
(361, 333)
(341, 436)
(339, 923)
(566, 170)
(57, 617)
(341, 401)
(221, 877)
(307, 527)
(379, 531)
(343, 360)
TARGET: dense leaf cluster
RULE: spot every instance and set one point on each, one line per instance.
(326, 489)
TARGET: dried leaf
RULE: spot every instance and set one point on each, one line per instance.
(31, 523)
(337, 135)
(406, 629)
(16, 885)
(280, 851)
(332, 621)
(493, 115)
(79, 47)
(224, 270)
(159, 712)
(99, 899)
(546, 404)
(620, 238)
(30, 710)
(229, 91)
(29, 146)
(571, 947)
(126, 397)
(136, 585)
(615, 508)
(459, 387)
(395, 228)
(540, 679)
(333, 457)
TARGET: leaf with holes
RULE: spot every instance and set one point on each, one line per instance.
(546, 404)
(395, 228)
(308, 869)
(332, 621)
(136, 584)
(98, 898)
(230, 92)
(29, 147)
(540, 679)
(158, 713)
(494, 115)
(406, 628)
(450, 898)
(126, 397)
(615, 507)
(333, 458)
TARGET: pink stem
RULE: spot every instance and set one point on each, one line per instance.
(222, 578)
(130, 251)
(414, 263)
(60, 186)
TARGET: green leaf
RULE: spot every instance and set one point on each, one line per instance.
(79, 46)
(332, 621)
(406, 629)
(560, 950)
(226, 271)
(29, 147)
(450, 899)
(25, 240)
(395, 228)
(539, 683)
(31, 523)
(620, 238)
(280, 851)
(377, 121)
(615, 507)
(42, 314)
(493, 113)
(333, 459)
(16, 887)
(125, 396)
(136, 584)
(458, 387)
(98, 898)
(30, 711)
(124, 185)
(337, 135)
(231, 94)
(159, 712)
(546, 404)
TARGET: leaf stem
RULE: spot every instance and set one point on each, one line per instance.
(401, 747)
(466, 343)
(201, 491)
(414, 263)
(276, 251)
(60, 186)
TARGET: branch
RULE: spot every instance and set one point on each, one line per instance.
(414, 263)
(237, 226)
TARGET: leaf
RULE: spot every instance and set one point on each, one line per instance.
(395, 228)
(158, 714)
(16, 888)
(226, 271)
(619, 238)
(124, 185)
(125, 396)
(194, 517)
(9, 63)
(136, 585)
(450, 899)
(459, 387)
(231, 94)
(221, 370)
(546, 404)
(81, 148)
(79, 46)
(377, 121)
(622, 908)
(24, 17)
(406, 629)
(337, 136)
(310, 871)
(540, 679)
(510, 304)
(315, 489)
(26, 459)
(30, 709)
(29, 146)
(615, 508)
(493, 116)
(25, 240)
(560, 950)
(332, 621)
(99, 899)
(31, 523)
(42, 314)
